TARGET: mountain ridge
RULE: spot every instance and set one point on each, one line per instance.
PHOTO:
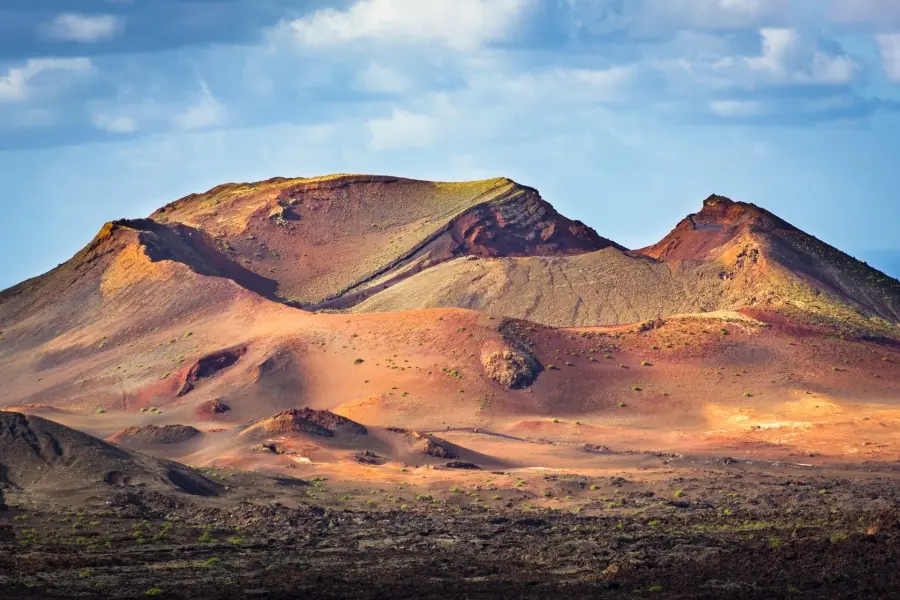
(364, 243)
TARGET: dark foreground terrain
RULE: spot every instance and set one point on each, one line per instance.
(725, 534)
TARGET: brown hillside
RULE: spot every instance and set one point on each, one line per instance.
(804, 273)
(601, 288)
(328, 237)
(728, 256)
(40, 456)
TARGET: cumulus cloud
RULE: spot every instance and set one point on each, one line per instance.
(20, 83)
(73, 27)
(890, 55)
(403, 129)
(458, 24)
(787, 58)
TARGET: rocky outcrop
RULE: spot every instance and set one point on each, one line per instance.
(211, 408)
(209, 366)
(287, 422)
(305, 420)
(510, 367)
(153, 434)
(431, 445)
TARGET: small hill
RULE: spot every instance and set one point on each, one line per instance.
(40, 456)
(154, 434)
(304, 420)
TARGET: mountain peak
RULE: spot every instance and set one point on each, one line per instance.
(716, 199)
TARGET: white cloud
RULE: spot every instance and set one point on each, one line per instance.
(890, 55)
(72, 27)
(403, 129)
(736, 108)
(458, 24)
(383, 80)
(205, 113)
(19, 83)
(788, 58)
(114, 123)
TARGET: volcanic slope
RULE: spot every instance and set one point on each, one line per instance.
(332, 240)
(296, 241)
(729, 256)
(44, 457)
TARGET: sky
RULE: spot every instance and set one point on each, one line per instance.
(625, 114)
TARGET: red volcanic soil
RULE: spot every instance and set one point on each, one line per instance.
(720, 221)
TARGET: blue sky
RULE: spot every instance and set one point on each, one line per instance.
(624, 113)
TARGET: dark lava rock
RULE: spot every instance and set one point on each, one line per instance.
(208, 366)
(595, 449)
(154, 434)
(458, 464)
(369, 458)
(211, 408)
